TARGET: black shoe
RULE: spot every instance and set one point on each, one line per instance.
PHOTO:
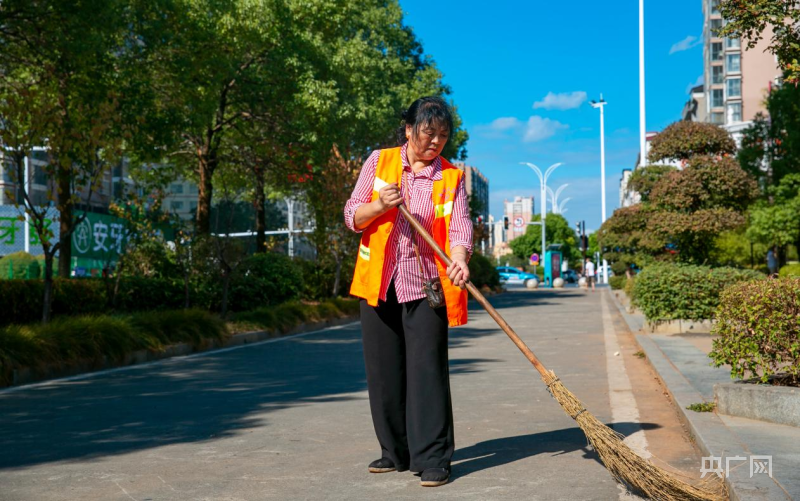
(434, 477)
(382, 465)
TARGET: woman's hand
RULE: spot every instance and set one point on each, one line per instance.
(389, 197)
(458, 271)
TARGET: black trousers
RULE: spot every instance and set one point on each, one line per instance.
(405, 351)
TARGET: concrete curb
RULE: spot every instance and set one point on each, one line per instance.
(28, 375)
(776, 404)
(711, 435)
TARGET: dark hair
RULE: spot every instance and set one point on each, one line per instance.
(429, 110)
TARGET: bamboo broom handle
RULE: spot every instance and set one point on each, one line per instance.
(475, 293)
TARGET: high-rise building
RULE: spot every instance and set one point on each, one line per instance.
(477, 186)
(627, 197)
(519, 213)
(736, 78)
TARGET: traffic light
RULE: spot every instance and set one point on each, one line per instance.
(505, 222)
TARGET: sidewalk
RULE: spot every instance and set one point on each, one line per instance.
(682, 363)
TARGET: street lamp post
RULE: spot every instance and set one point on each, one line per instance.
(554, 197)
(642, 131)
(543, 197)
(601, 104)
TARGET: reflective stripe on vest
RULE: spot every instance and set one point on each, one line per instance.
(371, 254)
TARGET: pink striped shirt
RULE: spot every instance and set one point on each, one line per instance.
(401, 265)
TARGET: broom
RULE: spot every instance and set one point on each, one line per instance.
(623, 463)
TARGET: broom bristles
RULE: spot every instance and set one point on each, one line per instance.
(639, 474)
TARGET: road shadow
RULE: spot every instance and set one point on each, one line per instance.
(502, 451)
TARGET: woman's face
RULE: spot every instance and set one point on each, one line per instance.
(429, 142)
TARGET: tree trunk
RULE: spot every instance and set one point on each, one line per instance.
(206, 165)
(337, 276)
(48, 287)
(261, 212)
(226, 282)
(65, 209)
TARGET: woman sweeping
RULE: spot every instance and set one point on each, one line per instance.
(409, 297)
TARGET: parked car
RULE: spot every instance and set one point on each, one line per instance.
(511, 275)
(570, 276)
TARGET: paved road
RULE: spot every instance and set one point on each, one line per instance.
(290, 419)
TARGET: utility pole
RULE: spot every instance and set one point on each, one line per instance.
(543, 198)
(601, 104)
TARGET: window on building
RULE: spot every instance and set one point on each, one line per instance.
(193, 207)
(717, 98)
(715, 25)
(717, 74)
(715, 6)
(8, 169)
(733, 43)
(717, 118)
(734, 63)
(734, 112)
(716, 51)
(176, 205)
(176, 188)
(734, 87)
(39, 174)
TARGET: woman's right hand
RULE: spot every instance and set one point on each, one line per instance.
(389, 197)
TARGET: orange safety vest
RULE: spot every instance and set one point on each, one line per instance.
(372, 251)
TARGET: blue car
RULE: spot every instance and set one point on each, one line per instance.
(511, 275)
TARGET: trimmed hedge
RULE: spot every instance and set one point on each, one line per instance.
(617, 282)
(21, 300)
(790, 270)
(90, 338)
(759, 328)
(688, 292)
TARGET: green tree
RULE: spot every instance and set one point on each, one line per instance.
(771, 145)
(777, 223)
(63, 91)
(557, 231)
(750, 18)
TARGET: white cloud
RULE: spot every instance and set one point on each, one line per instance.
(539, 128)
(563, 101)
(685, 44)
(697, 82)
(504, 123)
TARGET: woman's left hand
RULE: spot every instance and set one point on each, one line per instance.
(458, 271)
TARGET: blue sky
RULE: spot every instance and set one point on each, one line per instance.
(503, 58)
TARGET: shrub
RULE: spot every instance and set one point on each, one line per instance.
(617, 282)
(482, 271)
(629, 285)
(790, 270)
(145, 294)
(265, 279)
(19, 265)
(674, 291)
(21, 300)
(759, 329)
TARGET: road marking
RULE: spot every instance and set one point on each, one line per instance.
(620, 392)
(177, 359)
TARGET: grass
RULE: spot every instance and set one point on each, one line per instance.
(703, 407)
(286, 316)
(91, 338)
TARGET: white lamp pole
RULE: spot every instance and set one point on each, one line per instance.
(554, 197)
(642, 126)
(543, 197)
(601, 104)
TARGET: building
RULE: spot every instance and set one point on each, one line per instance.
(627, 197)
(736, 78)
(477, 186)
(519, 213)
(695, 108)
